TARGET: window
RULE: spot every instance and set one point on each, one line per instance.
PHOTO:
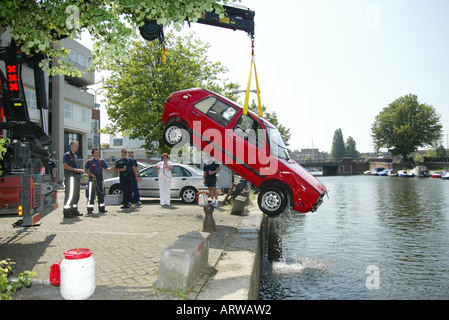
(31, 99)
(73, 55)
(204, 105)
(85, 115)
(68, 110)
(222, 113)
(82, 60)
(176, 171)
(217, 110)
(148, 173)
(250, 130)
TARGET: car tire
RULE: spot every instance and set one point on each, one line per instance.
(272, 201)
(188, 195)
(175, 134)
(115, 189)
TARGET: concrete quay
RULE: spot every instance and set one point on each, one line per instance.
(127, 246)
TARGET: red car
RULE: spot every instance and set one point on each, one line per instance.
(247, 144)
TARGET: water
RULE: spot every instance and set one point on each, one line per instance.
(373, 238)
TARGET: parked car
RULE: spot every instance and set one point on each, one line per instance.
(187, 181)
(248, 144)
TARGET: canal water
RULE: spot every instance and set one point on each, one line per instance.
(372, 238)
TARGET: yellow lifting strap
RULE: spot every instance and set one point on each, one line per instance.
(245, 106)
(164, 51)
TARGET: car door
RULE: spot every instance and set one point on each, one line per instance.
(212, 117)
(179, 180)
(247, 142)
(149, 186)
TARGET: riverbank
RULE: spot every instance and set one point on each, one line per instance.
(127, 246)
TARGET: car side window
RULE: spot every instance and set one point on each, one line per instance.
(222, 113)
(217, 110)
(148, 173)
(204, 105)
(250, 130)
(176, 171)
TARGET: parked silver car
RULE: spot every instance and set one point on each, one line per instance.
(186, 182)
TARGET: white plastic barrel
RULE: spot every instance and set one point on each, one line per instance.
(77, 274)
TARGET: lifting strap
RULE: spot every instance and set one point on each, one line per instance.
(253, 62)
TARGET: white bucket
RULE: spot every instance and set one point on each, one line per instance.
(77, 274)
(202, 198)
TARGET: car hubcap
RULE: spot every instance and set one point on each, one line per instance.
(271, 201)
(174, 135)
(189, 196)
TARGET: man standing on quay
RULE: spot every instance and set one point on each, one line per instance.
(72, 175)
(135, 182)
(128, 173)
(94, 168)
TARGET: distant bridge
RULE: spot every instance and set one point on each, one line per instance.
(332, 167)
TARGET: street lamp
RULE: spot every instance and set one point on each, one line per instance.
(97, 115)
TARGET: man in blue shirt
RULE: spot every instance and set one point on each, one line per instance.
(72, 174)
(128, 173)
(94, 168)
(135, 182)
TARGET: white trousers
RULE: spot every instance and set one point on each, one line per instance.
(164, 191)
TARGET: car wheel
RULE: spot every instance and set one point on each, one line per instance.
(188, 195)
(115, 189)
(175, 134)
(272, 201)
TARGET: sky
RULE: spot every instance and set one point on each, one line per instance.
(326, 64)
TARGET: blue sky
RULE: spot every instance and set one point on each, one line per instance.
(328, 64)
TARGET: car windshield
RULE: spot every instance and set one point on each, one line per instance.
(277, 146)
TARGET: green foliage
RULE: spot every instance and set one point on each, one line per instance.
(3, 147)
(36, 25)
(338, 145)
(351, 148)
(137, 89)
(7, 288)
(405, 125)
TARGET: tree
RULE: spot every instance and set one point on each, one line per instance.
(273, 119)
(405, 125)
(37, 24)
(338, 145)
(351, 148)
(136, 90)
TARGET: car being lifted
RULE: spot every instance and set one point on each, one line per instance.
(247, 144)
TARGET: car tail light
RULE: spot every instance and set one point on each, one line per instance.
(169, 98)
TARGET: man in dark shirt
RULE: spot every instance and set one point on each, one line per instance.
(72, 174)
(128, 173)
(94, 168)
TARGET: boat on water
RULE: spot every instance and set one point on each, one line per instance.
(435, 174)
(421, 171)
(388, 172)
(445, 174)
(375, 171)
(406, 174)
(392, 173)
